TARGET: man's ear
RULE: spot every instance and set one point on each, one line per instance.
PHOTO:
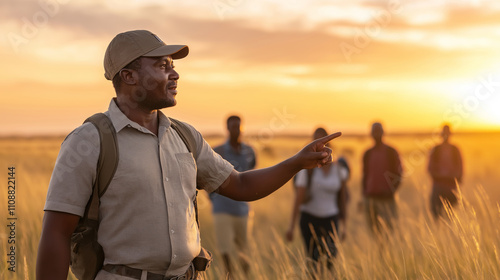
(128, 76)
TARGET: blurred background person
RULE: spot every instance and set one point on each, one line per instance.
(231, 217)
(321, 200)
(446, 170)
(382, 173)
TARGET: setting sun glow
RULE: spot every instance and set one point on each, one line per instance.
(411, 64)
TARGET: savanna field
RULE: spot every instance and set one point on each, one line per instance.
(466, 245)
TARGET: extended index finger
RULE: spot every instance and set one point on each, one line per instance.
(328, 138)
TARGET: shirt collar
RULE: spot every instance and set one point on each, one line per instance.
(120, 120)
(231, 149)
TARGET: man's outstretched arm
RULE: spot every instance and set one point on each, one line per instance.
(255, 184)
(54, 249)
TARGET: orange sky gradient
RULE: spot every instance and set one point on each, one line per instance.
(284, 66)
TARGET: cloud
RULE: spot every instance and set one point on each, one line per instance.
(419, 52)
(382, 41)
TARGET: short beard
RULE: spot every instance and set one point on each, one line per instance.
(156, 105)
(140, 99)
(141, 96)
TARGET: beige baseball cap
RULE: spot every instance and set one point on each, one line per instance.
(127, 46)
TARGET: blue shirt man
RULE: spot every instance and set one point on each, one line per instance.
(231, 216)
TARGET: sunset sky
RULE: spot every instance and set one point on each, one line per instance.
(284, 66)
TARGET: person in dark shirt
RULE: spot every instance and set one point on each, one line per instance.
(446, 170)
(382, 173)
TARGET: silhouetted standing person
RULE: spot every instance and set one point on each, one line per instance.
(382, 172)
(445, 166)
(231, 216)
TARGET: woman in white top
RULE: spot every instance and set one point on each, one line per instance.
(321, 198)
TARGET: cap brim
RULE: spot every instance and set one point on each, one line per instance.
(175, 51)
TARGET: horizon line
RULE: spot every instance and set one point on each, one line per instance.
(280, 134)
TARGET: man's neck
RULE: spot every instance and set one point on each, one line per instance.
(235, 143)
(145, 118)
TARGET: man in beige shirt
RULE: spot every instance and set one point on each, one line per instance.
(147, 217)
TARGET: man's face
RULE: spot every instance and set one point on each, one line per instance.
(233, 126)
(377, 131)
(319, 134)
(157, 85)
(446, 133)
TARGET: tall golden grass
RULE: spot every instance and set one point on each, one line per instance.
(464, 245)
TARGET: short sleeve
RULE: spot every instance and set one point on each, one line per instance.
(301, 179)
(212, 169)
(74, 172)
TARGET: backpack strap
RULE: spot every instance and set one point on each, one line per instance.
(342, 194)
(309, 177)
(106, 164)
(186, 135)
